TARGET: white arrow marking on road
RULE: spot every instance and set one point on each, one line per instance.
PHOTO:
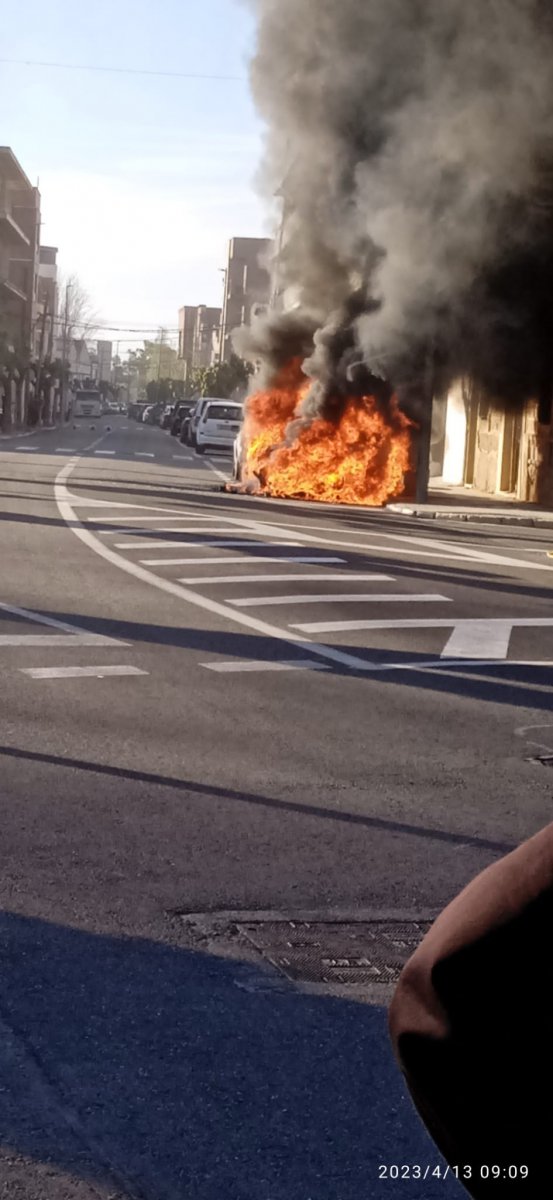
(490, 638)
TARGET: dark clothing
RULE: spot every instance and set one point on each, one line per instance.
(472, 1025)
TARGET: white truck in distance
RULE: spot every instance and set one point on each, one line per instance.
(87, 404)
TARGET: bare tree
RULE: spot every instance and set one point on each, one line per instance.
(76, 312)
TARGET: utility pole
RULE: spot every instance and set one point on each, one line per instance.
(425, 435)
(161, 332)
(63, 353)
(41, 352)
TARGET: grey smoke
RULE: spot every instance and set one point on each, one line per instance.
(411, 142)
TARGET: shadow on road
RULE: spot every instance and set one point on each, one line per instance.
(516, 685)
(162, 1072)
(195, 788)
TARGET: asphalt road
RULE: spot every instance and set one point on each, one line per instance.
(214, 703)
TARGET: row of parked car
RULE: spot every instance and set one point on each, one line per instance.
(207, 423)
(204, 422)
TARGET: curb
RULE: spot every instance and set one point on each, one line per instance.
(478, 518)
(11, 437)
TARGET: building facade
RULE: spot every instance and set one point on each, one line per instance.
(492, 447)
(187, 327)
(199, 336)
(104, 355)
(248, 286)
(19, 255)
(46, 303)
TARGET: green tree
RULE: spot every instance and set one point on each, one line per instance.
(224, 379)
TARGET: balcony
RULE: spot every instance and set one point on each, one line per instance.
(10, 232)
(10, 290)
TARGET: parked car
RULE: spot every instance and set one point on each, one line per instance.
(196, 414)
(136, 410)
(217, 425)
(181, 411)
(153, 414)
(167, 416)
(184, 435)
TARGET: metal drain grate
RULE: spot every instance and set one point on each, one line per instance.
(336, 953)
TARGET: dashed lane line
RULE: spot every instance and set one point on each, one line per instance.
(339, 598)
(244, 560)
(305, 578)
(79, 672)
(218, 544)
(251, 666)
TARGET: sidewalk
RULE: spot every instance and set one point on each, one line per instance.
(10, 437)
(465, 504)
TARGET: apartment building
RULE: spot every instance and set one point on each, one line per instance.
(19, 255)
(46, 303)
(199, 336)
(248, 286)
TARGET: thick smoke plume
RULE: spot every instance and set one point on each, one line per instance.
(411, 143)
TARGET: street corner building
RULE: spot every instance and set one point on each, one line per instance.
(481, 441)
(472, 1026)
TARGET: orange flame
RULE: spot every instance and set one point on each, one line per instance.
(361, 459)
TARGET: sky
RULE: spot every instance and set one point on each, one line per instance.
(143, 179)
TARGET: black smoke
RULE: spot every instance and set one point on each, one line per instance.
(411, 143)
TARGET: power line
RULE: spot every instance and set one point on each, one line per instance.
(168, 330)
(61, 66)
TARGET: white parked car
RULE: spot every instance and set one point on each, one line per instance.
(218, 425)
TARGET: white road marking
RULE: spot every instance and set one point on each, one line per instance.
(57, 639)
(459, 667)
(216, 471)
(65, 449)
(479, 640)
(424, 623)
(79, 672)
(183, 457)
(104, 453)
(143, 454)
(71, 632)
(153, 542)
(176, 589)
(251, 666)
(487, 557)
(338, 598)
(193, 530)
(183, 516)
(27, 449)
(245, 560)
(305, 578)
(526, 729)
(441, 549)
